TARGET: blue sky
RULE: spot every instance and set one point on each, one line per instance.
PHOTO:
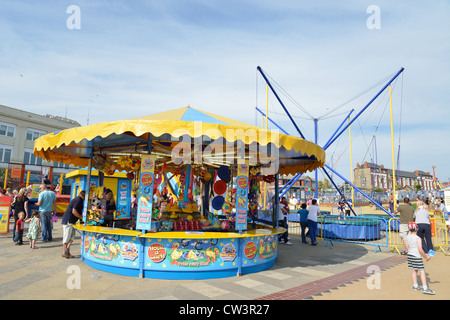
(134, 58)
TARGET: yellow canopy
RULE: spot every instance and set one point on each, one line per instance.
(203, 131)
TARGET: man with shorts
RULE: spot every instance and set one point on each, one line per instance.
(406, 216)
(73, 212)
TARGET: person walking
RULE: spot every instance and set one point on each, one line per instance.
(422, 219)
(406, 216)
(415, 262)
(313, 211)
(47, 207)
(73, 212)
(303, 221)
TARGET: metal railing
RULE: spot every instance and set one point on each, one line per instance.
(439, 235)
(351, 229)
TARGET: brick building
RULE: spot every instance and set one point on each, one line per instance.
(370, 175)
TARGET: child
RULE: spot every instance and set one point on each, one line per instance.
(415, 253)
(20, 227)
(34, 229)
(341, 208)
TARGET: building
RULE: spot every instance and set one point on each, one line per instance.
(369, 176)
(302, 185)
(18, 131)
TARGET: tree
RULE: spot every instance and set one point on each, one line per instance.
(326, 184)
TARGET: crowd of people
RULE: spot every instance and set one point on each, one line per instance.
(41, 220)
(414, 229)
(416, 234)
(421, 216)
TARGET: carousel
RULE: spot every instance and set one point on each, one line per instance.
(205, 187)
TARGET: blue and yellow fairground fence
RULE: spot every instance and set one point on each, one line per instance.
(372, 230)
(362, 230)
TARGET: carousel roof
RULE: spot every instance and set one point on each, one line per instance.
(216, 139)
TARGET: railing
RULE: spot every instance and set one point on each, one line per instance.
(351, 229)
(368, 230)
(439, 235)
(335, 210)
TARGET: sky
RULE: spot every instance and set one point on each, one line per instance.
(113, 60)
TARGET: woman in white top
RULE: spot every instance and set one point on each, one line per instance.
(422, 218)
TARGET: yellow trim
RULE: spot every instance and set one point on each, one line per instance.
(105, 230)
(181, 234)
(75, 173)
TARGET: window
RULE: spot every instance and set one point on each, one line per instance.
(5, 154)
(7, 130)
(33, 134)
(30, 158)
(57, 164)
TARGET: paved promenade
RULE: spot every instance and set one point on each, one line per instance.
(341, 271)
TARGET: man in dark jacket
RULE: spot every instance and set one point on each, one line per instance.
(73, 212)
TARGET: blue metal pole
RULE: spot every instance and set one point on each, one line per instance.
(367, 105)
(348, 116)
(272, 121)
(316, 191)
(291, 183)
(277, 203)
(357, 189)
(279, 100)
(287, 185)
(342, 196)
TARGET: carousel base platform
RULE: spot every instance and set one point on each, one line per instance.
(178, 255)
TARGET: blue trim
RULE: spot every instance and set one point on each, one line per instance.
(259, 267)
(112, 269)
(195, 115)
(180, 275)
(190, 275)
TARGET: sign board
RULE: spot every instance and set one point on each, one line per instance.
(36, 188)
(145, 200)
(242, 185)
(5, 209)
(123, 199)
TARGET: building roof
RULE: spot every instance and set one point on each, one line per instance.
(403, 174)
